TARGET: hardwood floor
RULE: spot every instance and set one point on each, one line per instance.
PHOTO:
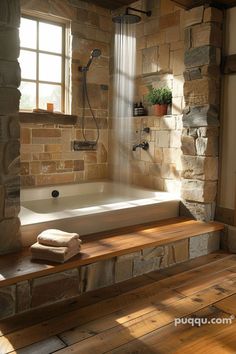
(138, 316)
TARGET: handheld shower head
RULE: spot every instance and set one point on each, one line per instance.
(95, 53)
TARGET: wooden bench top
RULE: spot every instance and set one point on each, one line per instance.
(18, 266)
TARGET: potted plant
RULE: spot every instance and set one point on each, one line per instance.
(160, 98)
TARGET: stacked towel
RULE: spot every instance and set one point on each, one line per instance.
(56, 245)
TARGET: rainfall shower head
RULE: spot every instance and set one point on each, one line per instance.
(94, 54)
(128, 18)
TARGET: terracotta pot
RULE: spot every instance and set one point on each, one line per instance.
(160, 109)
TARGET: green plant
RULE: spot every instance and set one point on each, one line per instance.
(162, 95)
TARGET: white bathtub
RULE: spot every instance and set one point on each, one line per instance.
(91, 207)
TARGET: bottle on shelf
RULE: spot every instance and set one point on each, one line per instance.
(141, 109)
(135, 109)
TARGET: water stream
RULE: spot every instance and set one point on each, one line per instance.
(123, 98)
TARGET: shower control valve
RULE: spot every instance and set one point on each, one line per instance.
(144, 145)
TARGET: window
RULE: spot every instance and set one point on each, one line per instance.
(42, 61)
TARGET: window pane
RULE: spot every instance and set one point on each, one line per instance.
(50, 94)
(49, 68)
(50, 38)
(28, 64)
(28, 95)
(28, 29)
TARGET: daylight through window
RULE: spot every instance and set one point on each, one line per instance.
(42, 61)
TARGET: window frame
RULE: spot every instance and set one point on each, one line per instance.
(37, 51)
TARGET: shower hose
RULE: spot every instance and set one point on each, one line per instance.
(85, 97)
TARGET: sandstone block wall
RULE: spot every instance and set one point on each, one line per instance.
(159, 62)
(203, 43)
(28, 295)
(9, 126)
(47, 156)
(160, 166)
(160, 51)
(46, 151)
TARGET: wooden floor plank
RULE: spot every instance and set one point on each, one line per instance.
(228, 305)
(128, 331)
(195, 263)
(43, 314)
(21, 321)
(198, 274)
(134, 311)
(173, 339)
(46, 346)
(202, 282)
(19, 267)
(142, 318)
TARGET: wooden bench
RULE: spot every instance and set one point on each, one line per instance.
(18, 267)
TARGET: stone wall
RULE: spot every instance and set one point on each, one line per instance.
(203, 42)
(46, 151)
(28, 295)
(160, 166)
(47, 156)
(9, 126)
(159, 62)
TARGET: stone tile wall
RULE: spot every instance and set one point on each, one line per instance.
(160, 51)
(203, 43)
(28, 295)
(160, 166)
(47, 156)
(9, 127)
(46, 151)
(160, 62)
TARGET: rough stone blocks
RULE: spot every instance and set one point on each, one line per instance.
(204, 244)
(97, 275)
(59, 286)
(198, 191)
(201, 116)
(7, 301)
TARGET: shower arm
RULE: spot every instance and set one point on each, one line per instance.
(148, 13)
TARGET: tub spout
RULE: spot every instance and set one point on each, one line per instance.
(144, 145)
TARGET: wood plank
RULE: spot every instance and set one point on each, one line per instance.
(35, 316)
(199, 274)
(227, 305)
(46, 346)
(178, 336)
(193, 264)
(145, 307)
(75, 318)
(121, 334)
(18, 267)
(12, 324)
(220, 341)
(88, 330)
(208, 280)
(121, 307)
(61, 323)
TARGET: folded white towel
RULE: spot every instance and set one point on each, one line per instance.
(58, 238)
(54, 254)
